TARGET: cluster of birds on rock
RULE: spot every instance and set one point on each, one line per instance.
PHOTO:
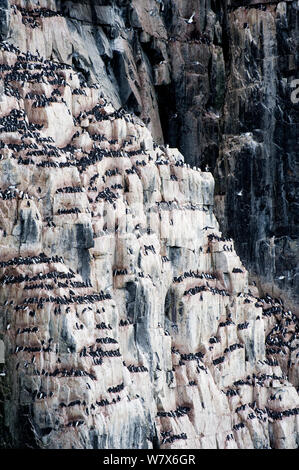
(32, 69)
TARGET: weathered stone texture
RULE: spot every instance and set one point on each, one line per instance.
(128, 318)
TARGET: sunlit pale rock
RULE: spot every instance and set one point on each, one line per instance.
(128, 319)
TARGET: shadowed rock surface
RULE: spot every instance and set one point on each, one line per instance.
(128, 319)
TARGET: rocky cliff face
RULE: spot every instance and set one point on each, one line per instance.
(212, 78)
(127, 316)
(256, 166)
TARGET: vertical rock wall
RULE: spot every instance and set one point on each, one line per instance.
(212, 78)
(256, 168)
(127, 317)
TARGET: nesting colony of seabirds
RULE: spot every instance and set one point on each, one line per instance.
(96, 172)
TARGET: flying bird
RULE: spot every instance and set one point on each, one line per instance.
(191, 19)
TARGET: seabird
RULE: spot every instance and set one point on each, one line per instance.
(191, 19)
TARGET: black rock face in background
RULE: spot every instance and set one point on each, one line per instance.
(4, 19)
(259, 143)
